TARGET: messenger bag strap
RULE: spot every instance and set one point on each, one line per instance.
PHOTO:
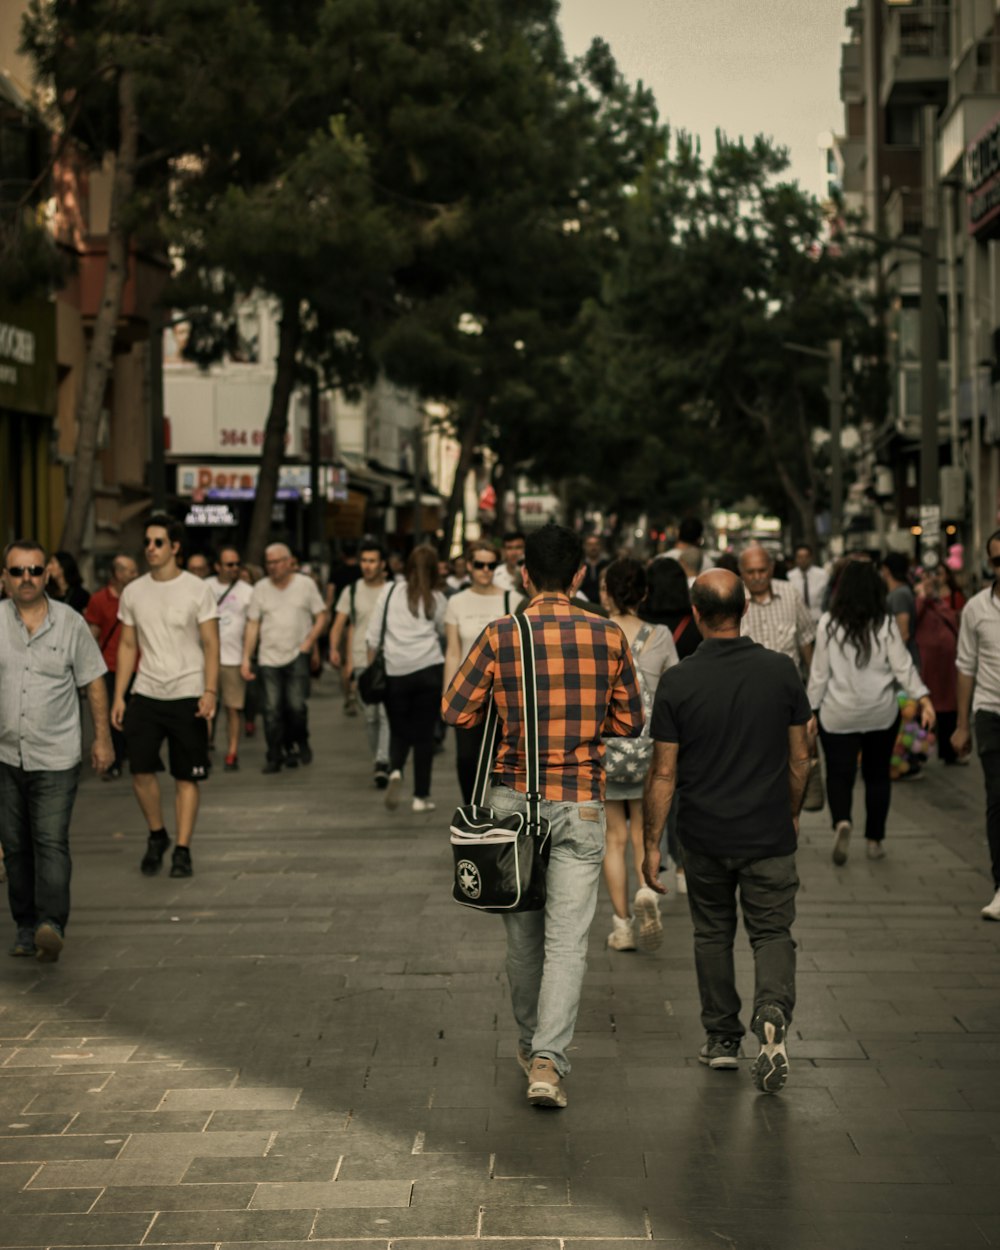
(530, 705)
(385, 617)
(487, 750)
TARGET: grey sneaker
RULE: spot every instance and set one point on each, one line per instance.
(649, 926)
(873, 849)
(544, 1086)
(720, 1053)
(841, 839)
(770, 1068)
(48, 941)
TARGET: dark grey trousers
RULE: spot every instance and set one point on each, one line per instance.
(766, 889)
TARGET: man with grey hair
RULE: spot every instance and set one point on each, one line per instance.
(286, 614)
(46, 656)
(729, 734)
(101, 614)
(776, 617)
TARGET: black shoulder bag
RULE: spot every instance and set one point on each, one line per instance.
(372, 680)
(500, 860)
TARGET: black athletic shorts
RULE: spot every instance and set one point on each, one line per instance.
(149, 721)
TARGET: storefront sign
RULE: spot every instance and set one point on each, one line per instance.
(237, 481)
(28, 357)
(212, 515)
(982, 179)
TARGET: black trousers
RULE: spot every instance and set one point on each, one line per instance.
(413, 704)
(767, 889)
(946, 722)
(988, 746)
(468, 743)
(841, 751)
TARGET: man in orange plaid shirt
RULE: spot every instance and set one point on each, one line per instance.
(587, 690)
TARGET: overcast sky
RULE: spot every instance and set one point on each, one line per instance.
(744, 66)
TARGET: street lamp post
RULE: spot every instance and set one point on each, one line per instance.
(930, 481)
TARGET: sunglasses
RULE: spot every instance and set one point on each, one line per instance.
(484, 564)
(26, 570)
(156, 542)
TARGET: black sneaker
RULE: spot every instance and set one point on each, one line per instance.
(181, 863)
(272, 766)
(770, 1068)
(291, 760)
(381, 776)
(720, 1053)
(24, 944)
(156, 848)
(305, 754)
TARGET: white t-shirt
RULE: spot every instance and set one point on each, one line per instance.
(472, 612)
(286, 617)
(411, 642)
(365, 599)
(232, 602)
(166, 616)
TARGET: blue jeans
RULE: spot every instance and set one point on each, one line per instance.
(285, 689)
(547, 950)
(35, 811)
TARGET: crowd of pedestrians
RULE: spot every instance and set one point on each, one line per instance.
(682, 705)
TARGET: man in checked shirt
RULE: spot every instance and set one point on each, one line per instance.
(587, 690)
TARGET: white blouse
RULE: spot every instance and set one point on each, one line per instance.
(850, 699)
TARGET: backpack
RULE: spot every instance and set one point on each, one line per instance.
(627, 760)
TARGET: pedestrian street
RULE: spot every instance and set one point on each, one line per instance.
(309, 1042)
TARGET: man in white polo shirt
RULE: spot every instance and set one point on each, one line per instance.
(232, 598)
(978, 666)
(287, 615)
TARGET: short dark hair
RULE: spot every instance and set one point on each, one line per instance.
(24, 544)
(898, 564)
(514, 536)
(718, 610)
(228, 547)
(70, 568)
(164, 521)
(690, 530)
(993, 538)
(625, 582)
(553, 556)
(803, 547)
(371, 544)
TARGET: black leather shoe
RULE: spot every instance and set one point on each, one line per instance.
(152, 861)
(272, 766)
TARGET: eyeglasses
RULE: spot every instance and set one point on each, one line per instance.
(156, 542)
(484, 564)
(230, 564)
(26, 570)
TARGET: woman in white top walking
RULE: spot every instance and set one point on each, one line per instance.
(468, 613)
(859, 664)
(414, 663)
(623, 589)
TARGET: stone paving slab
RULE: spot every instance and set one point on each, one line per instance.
(308, 1043)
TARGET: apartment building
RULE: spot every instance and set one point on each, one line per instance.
(920, 84)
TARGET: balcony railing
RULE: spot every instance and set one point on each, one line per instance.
(908, 418)
(904, 212)
(916, 47)
(851, 79)
(978, 72)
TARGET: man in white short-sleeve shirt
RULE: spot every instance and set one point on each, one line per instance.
(232, 597)
(352, 613)
(171, 617)
(287, 616)
(978, 664)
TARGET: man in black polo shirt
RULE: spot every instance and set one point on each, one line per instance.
(729, 726)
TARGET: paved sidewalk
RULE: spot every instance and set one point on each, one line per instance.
(309, 1042)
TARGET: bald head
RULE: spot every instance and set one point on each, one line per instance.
(719, 601)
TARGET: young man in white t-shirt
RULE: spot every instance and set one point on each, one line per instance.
(171, 618)
(232, 597)
(353, 609)
(287, 615)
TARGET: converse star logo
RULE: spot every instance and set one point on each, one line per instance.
(469, 881)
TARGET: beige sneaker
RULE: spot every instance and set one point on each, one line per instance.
(646, 906)
(544, 1085)
(841, 841)
(622, 936)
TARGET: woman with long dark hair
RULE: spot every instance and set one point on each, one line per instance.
(668, 602)
(413, 611)
(65, 581)
(859, 664)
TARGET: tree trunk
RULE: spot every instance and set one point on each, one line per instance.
(802, 501)
(102, 341)
(273, 451)
(470, 437)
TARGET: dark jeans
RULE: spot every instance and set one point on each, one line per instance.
(767, 889)
(117, 737)
(285, 690)
(468, 743)
(988, 746)
(413, 703)
(35, 811)
(841, 751)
